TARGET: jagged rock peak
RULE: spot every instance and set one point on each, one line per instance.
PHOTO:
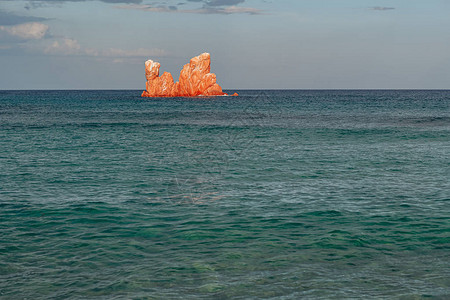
(195, 80)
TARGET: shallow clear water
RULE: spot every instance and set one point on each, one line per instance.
(269, 195)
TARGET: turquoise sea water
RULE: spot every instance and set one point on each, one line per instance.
(269, 195)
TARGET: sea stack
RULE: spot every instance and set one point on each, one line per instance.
(195, 80)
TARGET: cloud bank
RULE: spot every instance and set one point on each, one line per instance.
(224, 7)
(26, 31)
(68, 46)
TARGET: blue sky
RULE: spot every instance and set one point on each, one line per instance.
(261, 44)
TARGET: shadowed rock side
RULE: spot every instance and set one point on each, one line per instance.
(195, 80)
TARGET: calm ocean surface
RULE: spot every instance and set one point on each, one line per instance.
(269, 195)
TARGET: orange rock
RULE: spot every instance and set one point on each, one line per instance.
(195, 80)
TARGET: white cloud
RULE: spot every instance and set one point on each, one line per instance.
(66, 46)
(32, 31)
(63, 47)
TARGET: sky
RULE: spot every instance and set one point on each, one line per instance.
(254, 44)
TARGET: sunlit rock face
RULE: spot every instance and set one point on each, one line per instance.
(195, 80)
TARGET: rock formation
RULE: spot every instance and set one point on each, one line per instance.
(195, 80)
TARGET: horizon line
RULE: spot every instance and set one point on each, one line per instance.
(288, 89)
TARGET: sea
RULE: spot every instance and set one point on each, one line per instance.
(274, 194)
